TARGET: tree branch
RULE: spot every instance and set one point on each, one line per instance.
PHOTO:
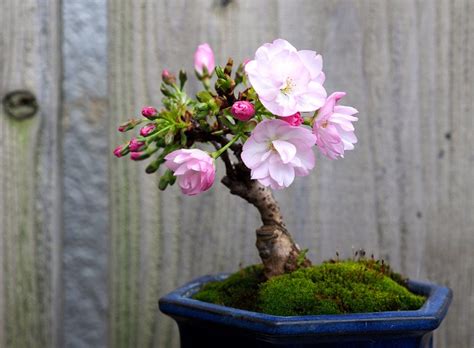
(277, 249)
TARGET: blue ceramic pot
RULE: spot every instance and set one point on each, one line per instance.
(205, 325)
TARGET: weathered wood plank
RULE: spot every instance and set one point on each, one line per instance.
(29, 177)
(85, 159)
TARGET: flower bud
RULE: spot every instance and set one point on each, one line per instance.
(204, 59)
(168, 77)
(149, 112)
(118, 151)
(147, 129)
(228, 67)
(243, 110)
(294, 120)
(136, 145)
(137, 156)
(183, 77)
(130, 124)
(121, 150)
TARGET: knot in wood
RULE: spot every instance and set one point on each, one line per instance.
(20, 104)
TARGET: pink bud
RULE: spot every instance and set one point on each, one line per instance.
(168, 77)
(118, 151)
(136, 156)
(204, 57)
(243, 110)
(149, 112)
(136, 145)
(294, 120)
(246, 60)
(147, 130)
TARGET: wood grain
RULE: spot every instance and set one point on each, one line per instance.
(29, 191)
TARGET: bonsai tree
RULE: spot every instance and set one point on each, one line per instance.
(264, 120)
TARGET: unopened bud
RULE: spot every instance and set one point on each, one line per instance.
(153, 166)
(204, 60)
(149, 112)
(118, 151)
(168, 77)
(166, 179)
(224, 86)
(243, 110)
(182, 78)
(136, 145)
(138, 156)
(147, 129)
(121, 150)
(228, 67)
(130, 124)
(294, 120)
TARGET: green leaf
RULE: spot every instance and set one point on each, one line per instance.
(220, 72)
(204, 96)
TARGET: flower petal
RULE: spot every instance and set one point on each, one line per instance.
(285, 149)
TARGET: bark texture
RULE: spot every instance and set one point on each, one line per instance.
(276, 247)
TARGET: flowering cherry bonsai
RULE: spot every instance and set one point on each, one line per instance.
(264, 121)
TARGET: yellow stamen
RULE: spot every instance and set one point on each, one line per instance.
(288, 87)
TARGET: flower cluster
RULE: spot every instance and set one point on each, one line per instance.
(270, 114)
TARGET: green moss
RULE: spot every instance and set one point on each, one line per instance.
(329, 288)
(240, 290)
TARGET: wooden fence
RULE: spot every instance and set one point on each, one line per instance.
(88, 243)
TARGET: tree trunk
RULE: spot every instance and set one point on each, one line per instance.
(277, 249)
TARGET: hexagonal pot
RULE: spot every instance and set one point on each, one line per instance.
(208, 325)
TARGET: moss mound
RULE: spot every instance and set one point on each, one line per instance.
(330, 288)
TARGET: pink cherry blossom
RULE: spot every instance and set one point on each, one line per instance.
(204, 57)
(276, 152)
(287, 80)
(194, 168)
(333, 127)
(243, 110)
(294, 120)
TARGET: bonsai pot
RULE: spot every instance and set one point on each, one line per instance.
(208, 325)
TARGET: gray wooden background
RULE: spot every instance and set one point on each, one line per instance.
(88, 243)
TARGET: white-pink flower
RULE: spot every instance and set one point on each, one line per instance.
(276, 152)
(194, 168)
(333, 127)
(287, 80)
(204, 57)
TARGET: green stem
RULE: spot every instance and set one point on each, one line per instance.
(154, 136)
(219, 152)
